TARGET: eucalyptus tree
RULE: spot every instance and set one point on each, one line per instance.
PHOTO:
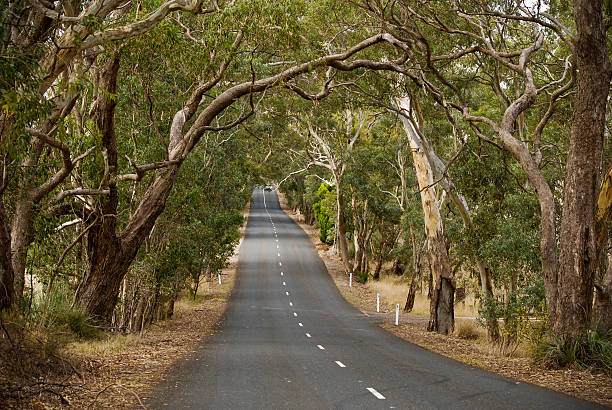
(529, 55)
(48, 48)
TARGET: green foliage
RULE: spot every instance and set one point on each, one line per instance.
(361, 277)
(588, 349)
(523, 313)
(53, 312)
(323, 214)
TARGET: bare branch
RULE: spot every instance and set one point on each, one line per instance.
(80, 191)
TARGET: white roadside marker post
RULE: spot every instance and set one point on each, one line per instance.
(219, 276)
(378, 302)
(351, 280)
(397, 314)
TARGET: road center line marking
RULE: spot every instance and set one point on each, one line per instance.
(375, 393)
(280, 264)
(320, 347)
(290, 304)
(284, 284)
(278, 254)
(294, 314)
(287, 293)
(282, 274)
(300, 324)
(308, 335)
(339, 363)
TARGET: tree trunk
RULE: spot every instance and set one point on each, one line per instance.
(110, 256)
(577, 260)
(21, 237)
(380, 261)
(341, 227)
(603, 299)
(416, 268)
(7, 280)
(442, 316)
(107, 263)
(487, 296)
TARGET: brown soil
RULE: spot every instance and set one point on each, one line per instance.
(575, 382)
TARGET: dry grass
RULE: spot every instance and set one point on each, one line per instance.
(109, 345)
(468, 330)
(394, 289)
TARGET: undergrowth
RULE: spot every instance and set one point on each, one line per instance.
(589, 349)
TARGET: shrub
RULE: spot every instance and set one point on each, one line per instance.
(361, 277)
(78, 323)
(53, 312)
(590, 349)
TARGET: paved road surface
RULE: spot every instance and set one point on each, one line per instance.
(289, 341)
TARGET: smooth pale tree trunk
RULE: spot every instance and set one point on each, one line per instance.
(438, 167)
(356, 237)
(578, 256)
(441, 310)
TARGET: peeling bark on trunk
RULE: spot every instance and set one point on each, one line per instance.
(578, 257)
(441, 311)
(441, 308)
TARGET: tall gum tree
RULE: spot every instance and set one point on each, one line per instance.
(408, 109)
(441, 310)
(578, 242)
(65, 41)
(482, 32)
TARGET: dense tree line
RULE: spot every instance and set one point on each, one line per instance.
(452, 140)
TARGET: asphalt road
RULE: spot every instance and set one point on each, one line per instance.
(289, 341)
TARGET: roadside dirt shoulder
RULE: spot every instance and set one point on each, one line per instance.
(120, 372)
(413, 328)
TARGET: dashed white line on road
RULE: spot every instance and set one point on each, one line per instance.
(280, 264)
(339, 363)
(308, 335)
(282, 273)
(287, 293)
(284, 284)
(294, 314)
(300, 324)
(277, 247)
(375, 393)
(278, 254)
(320, 347)
(290, 303)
